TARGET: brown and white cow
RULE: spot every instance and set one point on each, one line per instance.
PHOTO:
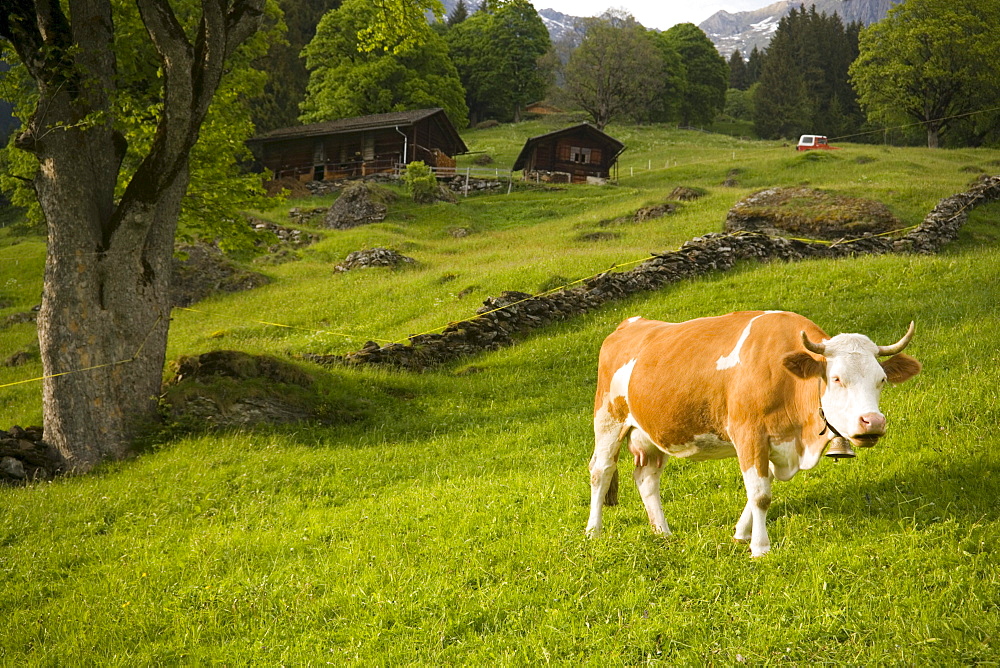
(768, 387)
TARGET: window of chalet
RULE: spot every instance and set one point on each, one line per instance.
(579, 155)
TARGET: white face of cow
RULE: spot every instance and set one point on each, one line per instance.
(854, 381)
(851, 379)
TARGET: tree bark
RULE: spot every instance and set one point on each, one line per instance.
(105, 307)
(932, 137)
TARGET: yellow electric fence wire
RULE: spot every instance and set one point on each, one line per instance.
(501, 308)
(355, 337)
(278, 324)
(134, 357)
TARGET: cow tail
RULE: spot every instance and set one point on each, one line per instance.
(611, 498)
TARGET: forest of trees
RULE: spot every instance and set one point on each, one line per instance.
(489, 60)
(802, 85)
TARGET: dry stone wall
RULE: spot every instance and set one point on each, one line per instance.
(503, 318)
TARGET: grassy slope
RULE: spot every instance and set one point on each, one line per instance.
(447, 525)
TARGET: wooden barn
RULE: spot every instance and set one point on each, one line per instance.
(353, 147)
(577, 154)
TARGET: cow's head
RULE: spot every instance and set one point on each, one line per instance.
(851, 378)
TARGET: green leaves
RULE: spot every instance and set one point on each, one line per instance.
(218, 188)
(347, 78)
(929, 61)
(497, 55)
(397, 25)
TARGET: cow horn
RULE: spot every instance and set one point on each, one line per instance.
(817, 348)
(899, 345)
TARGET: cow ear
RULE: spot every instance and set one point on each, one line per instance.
(901, 367)
(804, 365)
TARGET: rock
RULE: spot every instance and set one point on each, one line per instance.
(685, 194)
(20, 318)
(228, 388)
(361, 203)
(312, 217)
(653, 212)
(236, 365)
(19, 358)
(12, 468)
(24, 456)
(204, 271)
(373, 257)
(286, 236)
(811, 213)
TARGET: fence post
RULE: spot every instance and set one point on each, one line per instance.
(467, 170)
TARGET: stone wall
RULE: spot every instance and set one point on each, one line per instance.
(502, 318)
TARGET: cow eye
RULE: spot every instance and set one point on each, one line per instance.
(836, 380)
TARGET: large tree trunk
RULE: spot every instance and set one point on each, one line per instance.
(104, 319)
(105, 308)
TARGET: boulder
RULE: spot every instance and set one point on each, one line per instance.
(373, 257)
(361, 203)
(203, 270)
(229, 388)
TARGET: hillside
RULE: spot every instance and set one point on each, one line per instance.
(437, 518)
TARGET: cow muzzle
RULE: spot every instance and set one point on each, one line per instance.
(870, 428)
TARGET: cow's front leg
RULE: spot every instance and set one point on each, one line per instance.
(753, 521)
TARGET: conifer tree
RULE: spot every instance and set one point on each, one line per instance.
(738, 71)
(458, 14)
(804, 77)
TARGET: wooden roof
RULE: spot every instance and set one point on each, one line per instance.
(363, 123)
(586, 128)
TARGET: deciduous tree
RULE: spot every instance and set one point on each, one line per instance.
(706, 74)
(498, 53)
(351, 75)
(105, 305)
(930, 61)
(616, 71)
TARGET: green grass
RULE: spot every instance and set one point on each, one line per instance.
(446, 527)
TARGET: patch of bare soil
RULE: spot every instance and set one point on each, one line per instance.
(810, 213)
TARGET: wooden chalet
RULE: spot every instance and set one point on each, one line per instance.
(577, 154)
(354, 147)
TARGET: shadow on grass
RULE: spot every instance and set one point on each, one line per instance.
(928, 490)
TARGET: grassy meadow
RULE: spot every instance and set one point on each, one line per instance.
(441, 522)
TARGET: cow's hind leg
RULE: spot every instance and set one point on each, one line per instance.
(646, 473)
(603, 468)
